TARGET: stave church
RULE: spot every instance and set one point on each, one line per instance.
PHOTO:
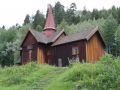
(57, 48)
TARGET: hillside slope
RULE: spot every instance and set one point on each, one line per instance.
(99, 76)
(28, 77)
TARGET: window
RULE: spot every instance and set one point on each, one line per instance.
(30, 47)
(75, 50)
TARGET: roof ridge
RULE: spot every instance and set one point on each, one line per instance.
(83, 35)
(58, 35)
(91, 33)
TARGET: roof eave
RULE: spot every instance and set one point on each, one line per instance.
(68, 42)
(92, 33)
(29, 31)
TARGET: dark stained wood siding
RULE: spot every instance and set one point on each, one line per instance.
(50, 55)
(50, 59)
(65, 51)
(90, 50)
(34, 52)
(29, 41)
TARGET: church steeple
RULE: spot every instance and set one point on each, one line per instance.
(50, 23)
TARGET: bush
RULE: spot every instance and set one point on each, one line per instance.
(106, 58)
(99, 76)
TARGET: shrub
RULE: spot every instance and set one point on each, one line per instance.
(99, 76)
(106, 58)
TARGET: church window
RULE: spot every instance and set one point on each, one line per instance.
(75, 50)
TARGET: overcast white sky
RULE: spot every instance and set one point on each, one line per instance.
(14, 11)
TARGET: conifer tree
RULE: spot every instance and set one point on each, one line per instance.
(27, 19)
(38, 19)
(59, 12)
(110, 27)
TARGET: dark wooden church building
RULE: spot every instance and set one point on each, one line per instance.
(57, 48)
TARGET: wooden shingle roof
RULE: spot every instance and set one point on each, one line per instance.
(42, 38)
(85, 35)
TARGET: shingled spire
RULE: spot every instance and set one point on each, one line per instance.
(50, 23)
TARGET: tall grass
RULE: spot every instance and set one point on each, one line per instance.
(21, 77)
(100, 76)
(103, 75)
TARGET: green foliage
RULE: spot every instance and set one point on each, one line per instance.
(99, 76)
(6, 39)
(7, 35)
(31, 76)
(118, 15)
(38, 19)
(106, 58)
(86, 25)
(59, 12)
(103, 13)
(27, 19)
(10, 41)
(22, 32)
(39, 28)
(109, 29)
(70, 16)
(84, 15)
(95, 14)
(117, 41)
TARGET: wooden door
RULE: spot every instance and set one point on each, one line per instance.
(40, 56)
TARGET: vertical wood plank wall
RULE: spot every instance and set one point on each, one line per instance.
(65, 51)
(40, 56)
(30, 40)
(94, 49)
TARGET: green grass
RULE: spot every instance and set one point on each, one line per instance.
(104, 75)
(28, 77)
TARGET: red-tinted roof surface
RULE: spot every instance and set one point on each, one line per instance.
(50, 23)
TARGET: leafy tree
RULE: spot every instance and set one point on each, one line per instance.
(7, 35)
(6, 38)
(39, 28)
(7, 55)
(64, 26)
(27, 19)
(59, 12)
(81, 26)
(38, 19)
